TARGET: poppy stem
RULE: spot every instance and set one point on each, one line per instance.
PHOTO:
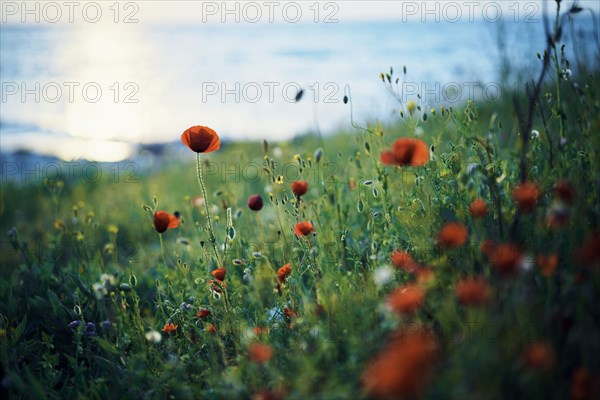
(211, 235)
(162, 250)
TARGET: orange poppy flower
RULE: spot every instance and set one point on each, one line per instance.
(260, 353)
(387, 158)
(203, 313)
(589, 252)
(406, 299)
(565, 191)
(258, 331)
(170, 327)
(288, 312)
(255, 202)
(526, 195)
(408, 151)
(474, 291)
(201, 139)
(547, 264)
(219, 274)
(403, 368)
(283, 272)
(539, 356)
(211, 329)
(478, 208)
(584, 385)
(303, 228)
(403, 260)
(453, 234)
(163, 221)
(299, 187)
(505, 258)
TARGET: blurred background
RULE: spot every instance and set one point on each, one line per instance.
(105, 81)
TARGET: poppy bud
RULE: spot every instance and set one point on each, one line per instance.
(299, 187)
(255, 202)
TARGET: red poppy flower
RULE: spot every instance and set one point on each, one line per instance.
(505, 258)
(283, 272)
(403, 368)
(163, 221)
(219, 274)
(203, 313)
(403, 260)
(526, 195)
(539, 356)
(478, 208)
(215, 287)
(387, 158)
(584, 385)
(406, 299)
(255, 202)
(289, 312)
(474, 291)
(565, 191)
(299, 187)
(410, 152)
(258, 331)
(201, 139)
(260, 353)
(453, 234)
(170, 327)
(303, 228)
(547, 264)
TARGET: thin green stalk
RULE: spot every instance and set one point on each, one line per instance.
(211, 235)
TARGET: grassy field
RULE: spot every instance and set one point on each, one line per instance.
(407, 286)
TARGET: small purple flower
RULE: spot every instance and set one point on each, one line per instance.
(74, 324)
(185, 306)
(90, 329)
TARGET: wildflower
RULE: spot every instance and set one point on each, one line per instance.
(453, 234)
(403, 368)
(99, 290)
(198, 201)
(219, 274)
(299, 188)
(564, 191)
(289, 312)
(74, 324)
(211, 329)
(260, 353)
(163, 221)
(303, 228)
(478, 208)
(526, 262)
(535, 134)
(283, 272)
(505, 258)
(258, 331)
(108, 279)
(170, 327)
(201, 139)
(589, 252)
(547, 264)
(584, 385)
(383, 275)
(203, 313)
(90, 329)
(406, 152)
(153, 337)
(473, 291)
(255, 202)
(558, 215)
(411, 106)
(526, 195)
(185, 306)
(403, 260)
(539, 356)
(406, 299)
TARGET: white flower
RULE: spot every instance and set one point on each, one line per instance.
(108, 278)
(526, 263)
(153, 337)
(566, 73)
(382, 275)
(535, 134)
(99, 290)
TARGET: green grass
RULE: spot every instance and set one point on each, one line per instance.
(67, 234)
